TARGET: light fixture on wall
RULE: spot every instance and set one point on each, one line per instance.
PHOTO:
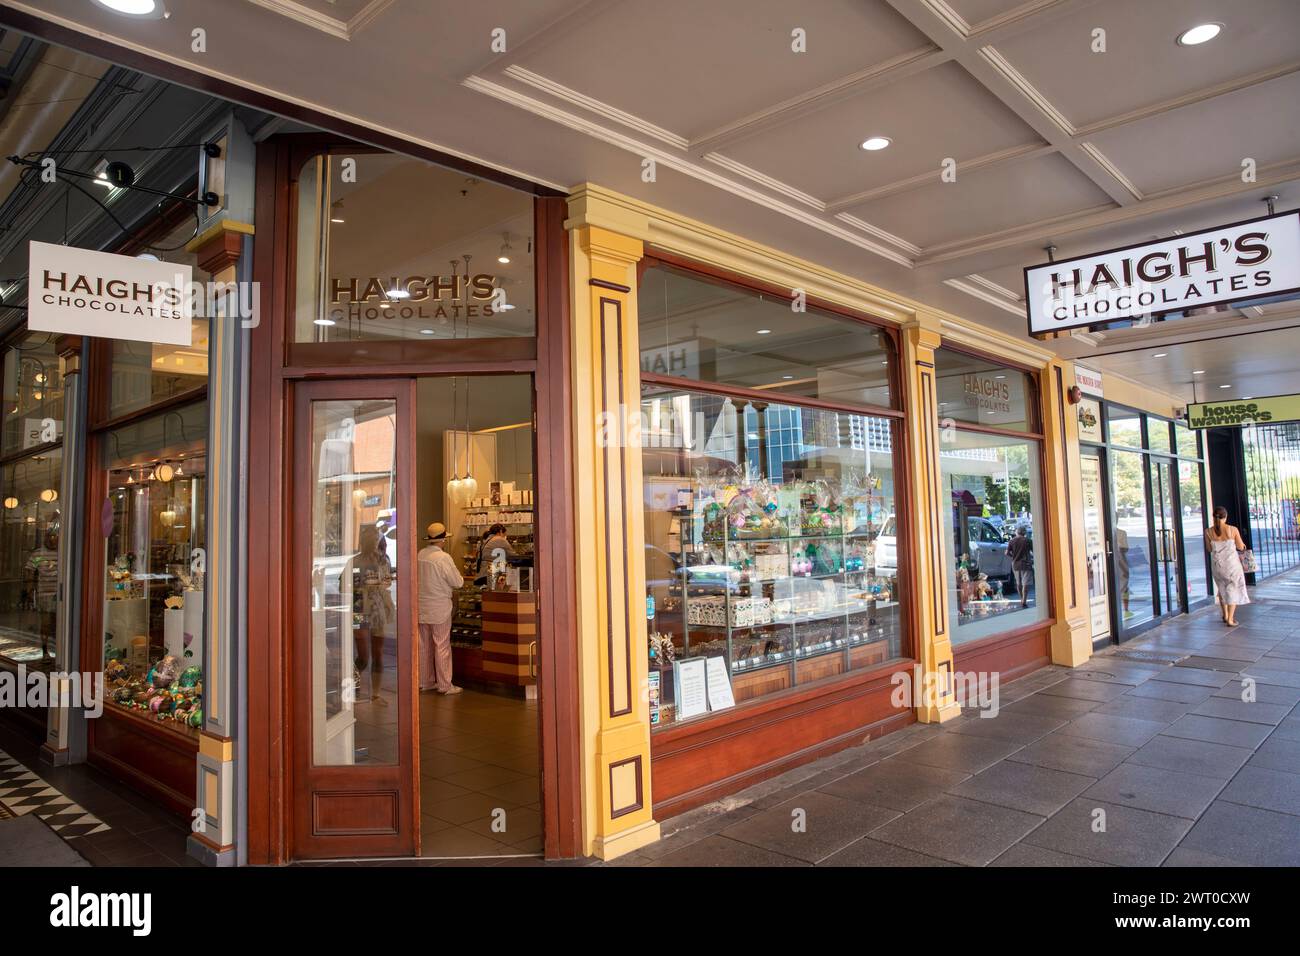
(140, 9)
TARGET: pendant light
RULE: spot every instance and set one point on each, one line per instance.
(454, 484)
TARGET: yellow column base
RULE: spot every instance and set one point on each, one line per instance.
(1071, 642)
(938, 714)
(626, 841)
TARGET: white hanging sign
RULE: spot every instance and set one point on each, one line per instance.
(1255, 259)
(109, 296)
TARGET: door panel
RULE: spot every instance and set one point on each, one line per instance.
(355, 762)
(1167, 552)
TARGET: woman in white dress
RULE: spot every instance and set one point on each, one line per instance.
(1226, 547)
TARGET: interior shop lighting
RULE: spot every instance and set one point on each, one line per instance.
(763, 332)
(145, 9)
(1160, 355)
(164, 472)
(1225, 386)
(322, 321)
(11, 502)
(49, 496)
(504, 257)
(1198, 371)
(1201, 33)
(873, 143)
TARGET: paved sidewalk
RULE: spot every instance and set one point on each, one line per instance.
(1151, 739)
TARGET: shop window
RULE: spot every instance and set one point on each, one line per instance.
(1191, 496)
(1125, 427)
(143, 373)
(32, 408)
(1158, 435)
(30, 526)
(1132, 541)
(772, 544)
(1272, 465)
(155, 524)
(979, 392)
(696, 329)
(1186, 441)
(390, 247)
(997, 563)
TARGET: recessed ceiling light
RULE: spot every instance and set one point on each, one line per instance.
(1201, 33)
(426, 331)
(148, 9)
(1225, 386)
(763, 332)
(504, 260)
(385, 305)
(1198, 371)
(337, 219)
(1160, 355)
(322, 321)
(396, 293)
(875, 142)
(787, 376)
(999, 376)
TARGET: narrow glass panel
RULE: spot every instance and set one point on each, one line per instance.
(1132, 544)
(354, 614)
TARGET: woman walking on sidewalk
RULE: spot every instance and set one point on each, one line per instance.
(1226, 548)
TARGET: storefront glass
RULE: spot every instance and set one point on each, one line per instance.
(992, 494)
(30, 527)
(390, 247)
(32, 405)
(155, 523)
(708, 331)
(1131, 540)
(1195, 521)
(772, 538)
(993, 487)
(1125, 427)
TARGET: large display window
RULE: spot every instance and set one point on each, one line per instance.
(772, 532)
(1272, 464)
(991, 484)
(154, 520)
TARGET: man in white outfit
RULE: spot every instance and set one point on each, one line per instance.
(439, 579)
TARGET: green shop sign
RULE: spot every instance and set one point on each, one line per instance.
(1256, 411)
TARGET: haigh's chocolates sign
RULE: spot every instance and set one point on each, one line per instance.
(1245, 260)
(431, 298)
(101, 294)
(1254, 411)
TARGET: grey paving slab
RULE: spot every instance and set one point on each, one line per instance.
(1014, 727)
(895, 784)
(1191, 756)
(1023, 786)
(1129, 731)
(1278, 753)
(869, 852)
(1246, 835)
(1125, 836)
(1271, 675)
(1263, 693)
(1156, 789)
(1280, 663)
(1188, 858)
(1144, 708)
(1090, 758)
(1234, 733)
(718, 851)
(1196, 676)
(1065, 708)
(959, 752)
(1024, 854)
(1168, 690)
(811, 826)
(1289, 729)
(1266, 789)
(1233, 709)
(964, 831)
(1086, 690)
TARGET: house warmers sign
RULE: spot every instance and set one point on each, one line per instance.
(1246, 260)
(81, 292)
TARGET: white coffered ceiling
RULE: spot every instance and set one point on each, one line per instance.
(1054, 141)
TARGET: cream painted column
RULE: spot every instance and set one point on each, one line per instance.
(1063, 496)
(609, 544)
(219, 251)
(924, 492)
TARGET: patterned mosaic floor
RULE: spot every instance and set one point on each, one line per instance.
(23, 792)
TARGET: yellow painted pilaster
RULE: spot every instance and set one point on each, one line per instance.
(934, 644)
(609, 531)
(1063, 492)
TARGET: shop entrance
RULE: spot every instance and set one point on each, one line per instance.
(1168, 552)
(415, 652)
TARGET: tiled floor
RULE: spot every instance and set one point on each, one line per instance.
(1147, 755)
(480, 786)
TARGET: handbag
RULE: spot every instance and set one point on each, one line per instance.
(1248, 562)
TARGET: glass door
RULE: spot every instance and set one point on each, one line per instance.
(352, 558)
(1168, 555)
(1130, 542)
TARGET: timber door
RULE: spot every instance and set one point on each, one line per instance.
(353, 643)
